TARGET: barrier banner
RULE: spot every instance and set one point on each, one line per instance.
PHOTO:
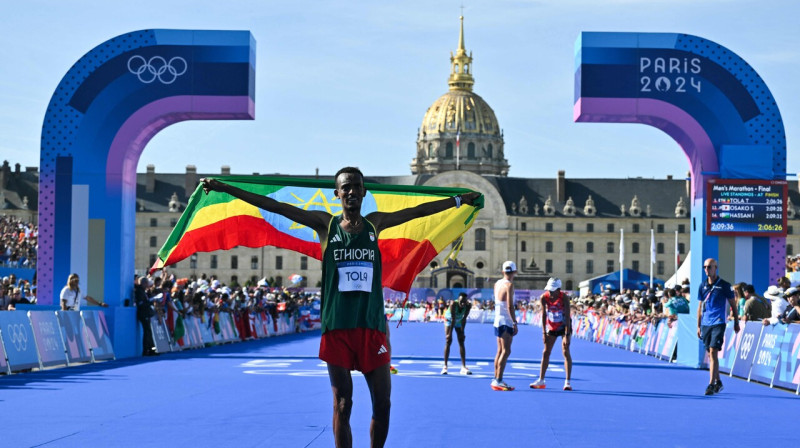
(97, 335)
(17, 335)
(160, 336)
(787, 373)
(730, 346)
(47, 334)
(3, 363)
(746, 350)
(193, 331)
(670, 341)
(74, 336)
(661, 337)
(766, 354)
(206, 331)
(652, 338)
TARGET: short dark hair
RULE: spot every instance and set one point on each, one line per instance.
(348, 170)
(749, 288)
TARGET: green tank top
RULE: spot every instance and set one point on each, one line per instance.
(460, 311)
(352, 292)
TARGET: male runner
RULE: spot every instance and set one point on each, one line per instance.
(353, 320)
(505, 323)
(456, 318)
(555, 322)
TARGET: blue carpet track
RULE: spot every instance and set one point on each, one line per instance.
(275, 393)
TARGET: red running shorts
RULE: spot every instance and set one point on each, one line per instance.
(362, 349)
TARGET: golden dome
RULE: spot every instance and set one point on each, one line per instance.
(460, 111)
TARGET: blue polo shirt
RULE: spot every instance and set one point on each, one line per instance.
(714, 298)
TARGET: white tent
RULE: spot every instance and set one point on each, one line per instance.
(684, 272)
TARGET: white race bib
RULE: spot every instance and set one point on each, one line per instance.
(355, 276)
(555, 316)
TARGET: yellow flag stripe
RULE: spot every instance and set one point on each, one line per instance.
(440, 229)
(211, 214)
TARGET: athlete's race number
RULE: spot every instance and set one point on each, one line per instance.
(355, 276)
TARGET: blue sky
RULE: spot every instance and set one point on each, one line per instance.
(348, 82)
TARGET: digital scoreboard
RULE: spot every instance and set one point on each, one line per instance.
(736, 207)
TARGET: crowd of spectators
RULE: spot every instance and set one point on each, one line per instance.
(15, 291)
(18, 242)
(206, 295)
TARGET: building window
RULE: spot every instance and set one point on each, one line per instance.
(213, 264)
(660, 228)
(660, 248)
(548, 246)
(590, 247)
(278, 280)
(568, 267)
(471, 151)
(789, 249)
(681, 228)
(153, 222)
(448, 150)
(153, 241)
(522, 263)
(489, 149)
(152, 259)
(682, 248)
(570, 247)
(523, 247)
(234, 262)
(548, 266)
(570, 228)
(660, 268)
(254, 262)
(635, 228)
(523, 226)
(610, 247)
(590, 228)
(234, 279)
(790, 230)
(635, 248)
(548, 227)
(278, 262)
(589, 267)
(479, 282)
(610, 228)
(303, 263)
(609, 266)
(173, 222)
(568, 285)
(635, 265)
(479, 265)
(480, 239)
(193, 261)
(431, 152)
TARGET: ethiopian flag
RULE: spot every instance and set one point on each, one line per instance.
(219, 221)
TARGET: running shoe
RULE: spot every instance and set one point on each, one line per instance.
(538, 384)
(444, 370)
(501, 385)
(710, 389)
(392, 369)
(465, 371)
(718, 387)
(567, 386)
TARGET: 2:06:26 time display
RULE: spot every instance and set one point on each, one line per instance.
(770, 228)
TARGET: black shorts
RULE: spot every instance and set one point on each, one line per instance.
(560, 332)
(712, 336)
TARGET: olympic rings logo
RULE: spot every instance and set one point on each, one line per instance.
(19, 336)
(148, 70)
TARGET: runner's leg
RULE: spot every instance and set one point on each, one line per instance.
(549, 341)
(342, 386)
(565, 340)
(461, 347)
(448, 339)
(379, 382)
(505, 341)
